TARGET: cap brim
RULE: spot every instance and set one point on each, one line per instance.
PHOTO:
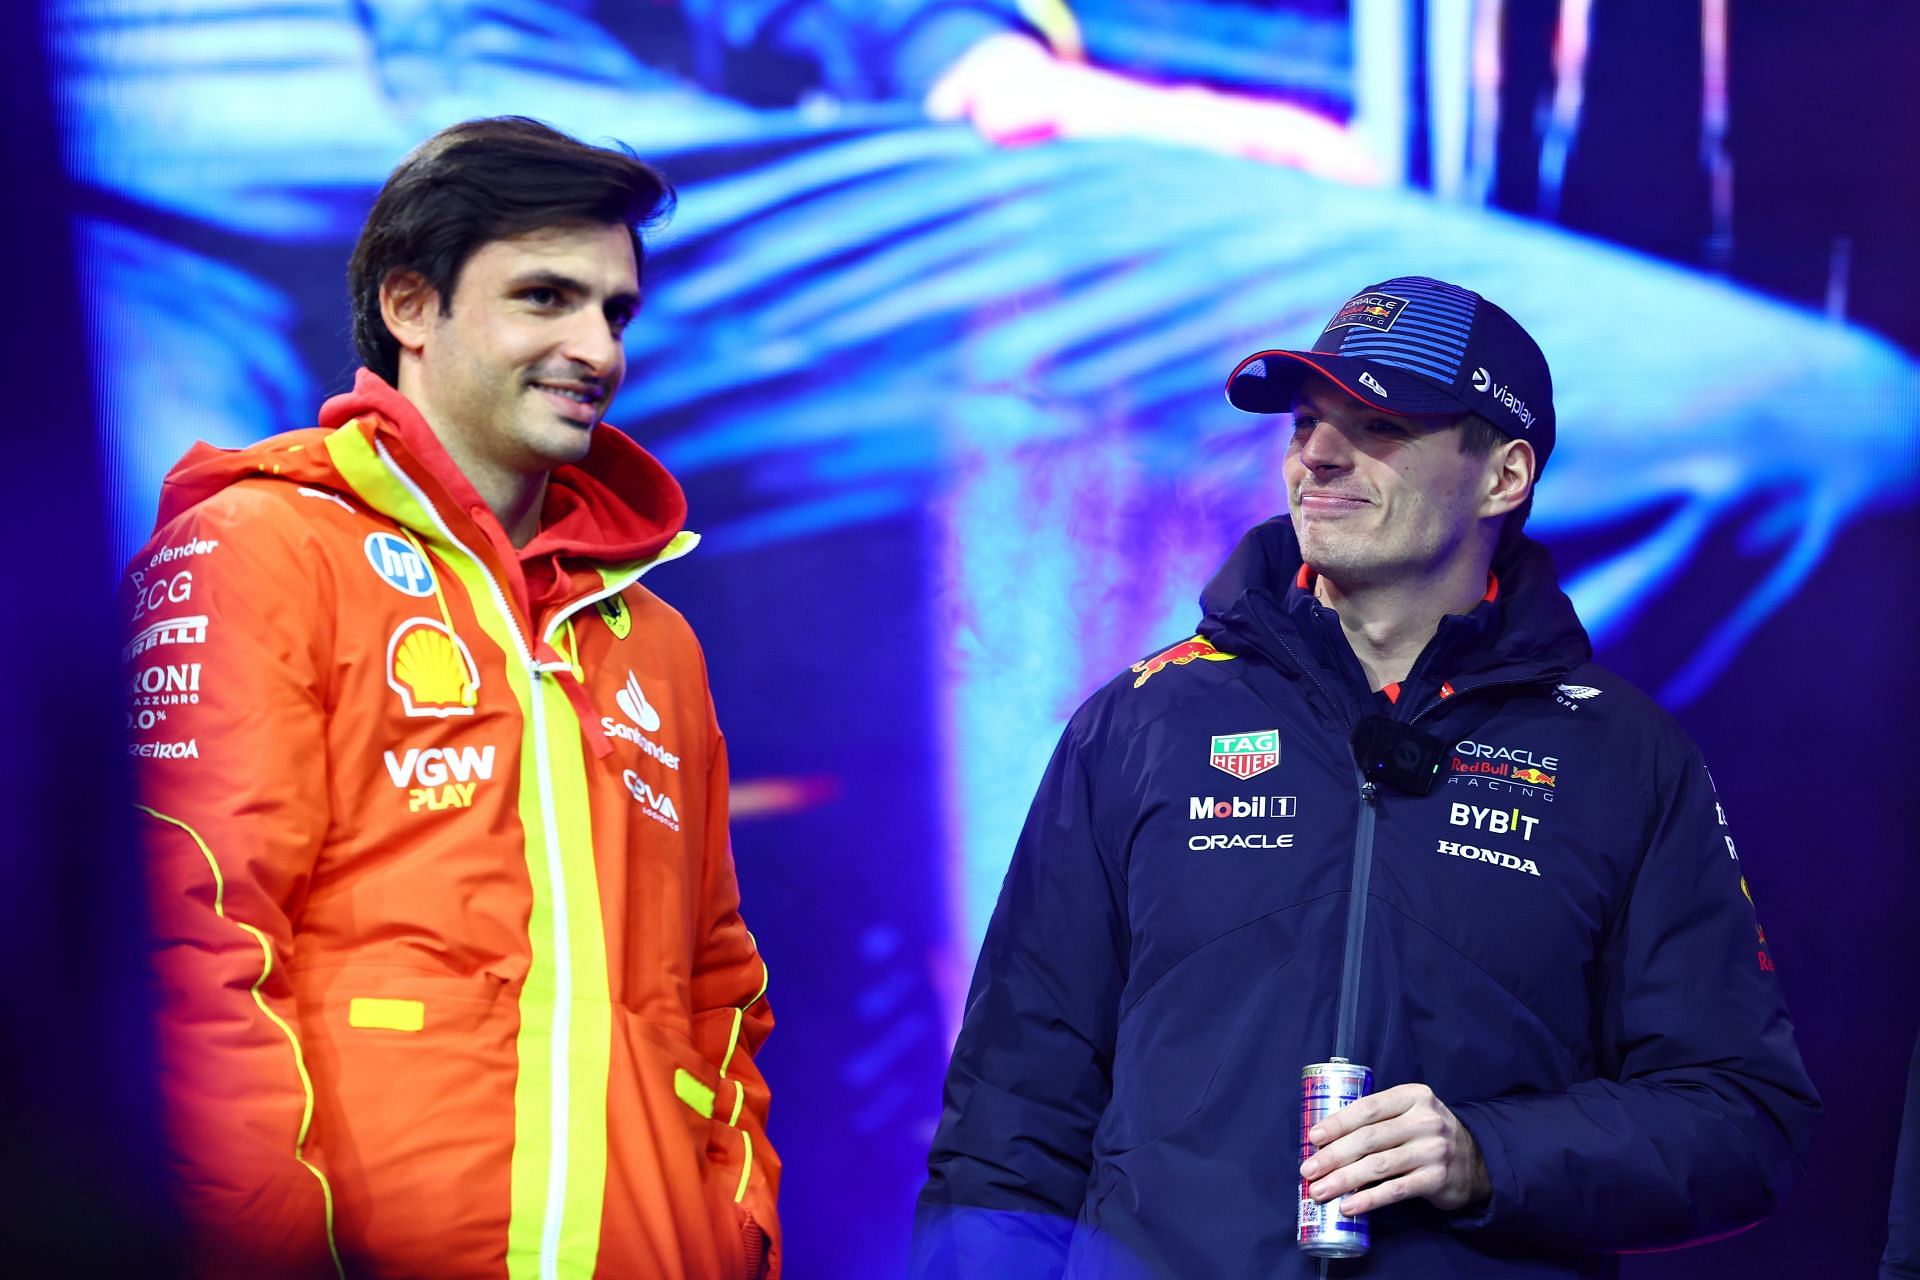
(1265, 382)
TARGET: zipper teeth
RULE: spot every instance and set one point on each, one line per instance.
(561, 1103)
(1348, 1013)
(439, 522)
(1348, 1017)
(563, 966)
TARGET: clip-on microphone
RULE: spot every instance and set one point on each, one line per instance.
(1397, 754)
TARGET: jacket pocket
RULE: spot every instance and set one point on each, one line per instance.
(708, 1106)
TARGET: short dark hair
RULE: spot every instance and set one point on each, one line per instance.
(480, 181)
(1478, 437)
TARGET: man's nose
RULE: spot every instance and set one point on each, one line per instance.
(1323, 446)
(592, 342)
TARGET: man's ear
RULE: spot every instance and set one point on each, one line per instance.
(408, 304)
(1513, 468)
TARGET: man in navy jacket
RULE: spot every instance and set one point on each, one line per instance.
(1382, 806)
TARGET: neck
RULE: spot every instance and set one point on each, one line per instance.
(1387, 625)
(514, 499)
(514, 496)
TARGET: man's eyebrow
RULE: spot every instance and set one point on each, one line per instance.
(548, 279)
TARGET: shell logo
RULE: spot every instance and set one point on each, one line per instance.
(431, 669)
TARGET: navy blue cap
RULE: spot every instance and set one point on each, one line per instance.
(1418, 347)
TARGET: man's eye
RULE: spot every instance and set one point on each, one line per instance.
(542, 296)
(1380, 426)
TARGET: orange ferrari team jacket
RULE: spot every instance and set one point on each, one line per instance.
(451, 977)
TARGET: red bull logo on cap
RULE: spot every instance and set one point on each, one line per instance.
(1369, 311)
(1178, 656)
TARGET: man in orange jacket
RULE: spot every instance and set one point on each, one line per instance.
(451, 975)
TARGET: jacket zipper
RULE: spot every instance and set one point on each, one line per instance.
(558, 1154)
(1358, 889)
(1348, 1016)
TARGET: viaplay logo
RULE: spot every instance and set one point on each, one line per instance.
(1484, 383)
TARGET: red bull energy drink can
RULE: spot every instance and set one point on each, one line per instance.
(1322, 1231)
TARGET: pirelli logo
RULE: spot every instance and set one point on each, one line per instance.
(191, 630)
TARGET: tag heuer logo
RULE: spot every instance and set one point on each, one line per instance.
(1245, 755)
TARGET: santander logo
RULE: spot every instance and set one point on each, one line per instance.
(634, 703)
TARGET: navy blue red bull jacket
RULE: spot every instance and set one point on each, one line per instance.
(1558, 938)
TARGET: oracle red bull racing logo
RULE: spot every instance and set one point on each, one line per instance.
(1191, 649)
(1245, 755)
(1370, 311)
(1517, 769)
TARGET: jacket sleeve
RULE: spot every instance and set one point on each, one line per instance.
(731, 1021)
(225, 698)
(1031, 1071)
(1698, 1121)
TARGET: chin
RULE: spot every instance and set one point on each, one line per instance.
(558, 448)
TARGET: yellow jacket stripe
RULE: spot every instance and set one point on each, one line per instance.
(293, 1039)
(564, 1044)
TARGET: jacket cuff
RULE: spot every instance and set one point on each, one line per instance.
(1500, 1173)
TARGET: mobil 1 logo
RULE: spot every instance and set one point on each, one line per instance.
(1242, 809)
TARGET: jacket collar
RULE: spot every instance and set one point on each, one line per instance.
(1527, 632)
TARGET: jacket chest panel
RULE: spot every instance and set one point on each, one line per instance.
(1525, 844)
(1242, 815)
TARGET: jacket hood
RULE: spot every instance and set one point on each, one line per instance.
(1538, 631)
(617, 504)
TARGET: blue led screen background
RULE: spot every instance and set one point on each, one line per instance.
(936, 342)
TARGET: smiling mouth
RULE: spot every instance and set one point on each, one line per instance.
(578, 402)
(1322, 500)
